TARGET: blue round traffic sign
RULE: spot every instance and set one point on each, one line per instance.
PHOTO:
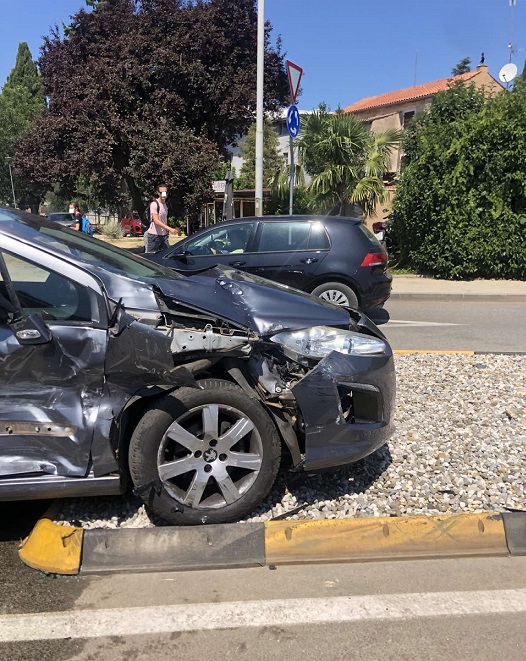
(293, 121)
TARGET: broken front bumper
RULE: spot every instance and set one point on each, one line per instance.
(347, 406)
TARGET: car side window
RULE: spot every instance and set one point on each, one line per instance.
(284, 237)
(221, 240)
(318, 239)
(50, 294)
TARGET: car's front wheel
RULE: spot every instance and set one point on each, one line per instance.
(337, 293)
(207, 455)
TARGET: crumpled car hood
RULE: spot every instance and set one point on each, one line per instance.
(252, 302)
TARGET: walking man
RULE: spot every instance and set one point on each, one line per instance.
(156, 236)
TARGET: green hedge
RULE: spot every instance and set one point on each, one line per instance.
(460, 208)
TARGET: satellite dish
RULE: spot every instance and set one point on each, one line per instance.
(508, 73)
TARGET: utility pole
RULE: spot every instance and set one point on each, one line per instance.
(291, 176)
(8, 161)
(259, 108)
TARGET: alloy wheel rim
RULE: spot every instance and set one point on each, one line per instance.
(210, 456)
(335, 296)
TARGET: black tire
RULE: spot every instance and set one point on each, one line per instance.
(182, 413)
(337, 293)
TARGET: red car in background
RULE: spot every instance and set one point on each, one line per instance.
(132, 224)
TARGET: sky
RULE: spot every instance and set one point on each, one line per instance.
(348, 49)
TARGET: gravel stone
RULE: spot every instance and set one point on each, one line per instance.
(459, 446)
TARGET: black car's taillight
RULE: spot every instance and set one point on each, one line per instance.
(374, 259)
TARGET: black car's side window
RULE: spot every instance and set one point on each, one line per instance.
(284, 237)
(318, 239)
(44, 292)
(292, 236)
(221, 240)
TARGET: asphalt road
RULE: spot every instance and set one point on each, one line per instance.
(429, 609)
(459, 325)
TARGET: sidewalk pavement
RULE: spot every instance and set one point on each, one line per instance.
(416, 287)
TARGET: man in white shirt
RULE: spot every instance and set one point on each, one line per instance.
(156, 236)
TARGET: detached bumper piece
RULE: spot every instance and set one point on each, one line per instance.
(347, 406)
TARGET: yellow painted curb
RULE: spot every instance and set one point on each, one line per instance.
(384, 538)
(437, 351)
(53, 548)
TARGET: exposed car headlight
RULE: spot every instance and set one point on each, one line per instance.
(319, 341)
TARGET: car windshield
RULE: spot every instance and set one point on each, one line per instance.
(83, 248)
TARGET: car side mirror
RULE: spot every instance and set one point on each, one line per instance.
(180, 257)
(31, 330)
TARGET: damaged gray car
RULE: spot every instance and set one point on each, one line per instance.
(117, 373)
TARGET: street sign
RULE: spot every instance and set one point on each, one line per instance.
(294, 72)
(219, 186)
(293, 121)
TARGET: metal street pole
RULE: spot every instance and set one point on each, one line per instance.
(259, 108)
(291, 191)
(8, 161)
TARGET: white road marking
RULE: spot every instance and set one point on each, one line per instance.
(280, 612)
(392, 323)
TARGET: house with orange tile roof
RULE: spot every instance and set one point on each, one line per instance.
(394, 109)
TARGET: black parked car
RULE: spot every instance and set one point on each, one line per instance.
(335, 258)
(65, 219)
(197, 387)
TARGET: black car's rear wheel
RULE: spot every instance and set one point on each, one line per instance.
(207, 455)
(337, 293)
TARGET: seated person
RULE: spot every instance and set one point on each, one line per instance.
(237, 242)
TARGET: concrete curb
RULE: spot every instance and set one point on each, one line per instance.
(62, 550)
(445, 297)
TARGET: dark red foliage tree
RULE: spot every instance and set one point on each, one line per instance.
(148, 92)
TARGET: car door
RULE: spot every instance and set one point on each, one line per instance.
(290, 251)
(53, 335)
(224, 243)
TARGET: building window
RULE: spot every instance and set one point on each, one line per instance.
(408, 116)
(286, 157)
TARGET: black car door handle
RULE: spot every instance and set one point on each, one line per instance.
(237, 263)
(309, 260)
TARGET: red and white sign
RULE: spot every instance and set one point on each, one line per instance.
(294, 72)
(219, 186)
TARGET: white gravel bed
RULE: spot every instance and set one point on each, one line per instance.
(459, 446)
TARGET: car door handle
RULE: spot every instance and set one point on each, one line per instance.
(309, 260)
(237, 263)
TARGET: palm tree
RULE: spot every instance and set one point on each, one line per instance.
(345, 159)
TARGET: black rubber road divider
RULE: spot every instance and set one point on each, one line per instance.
(515, 527)
(172, 548)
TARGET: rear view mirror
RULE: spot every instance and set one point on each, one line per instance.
(180, 256)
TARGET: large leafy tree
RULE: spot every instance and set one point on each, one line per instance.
(460, 208)
(146, 92)
(272, 159)
(21, 100)
(346, 160)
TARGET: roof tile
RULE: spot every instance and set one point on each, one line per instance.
(407, 94)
